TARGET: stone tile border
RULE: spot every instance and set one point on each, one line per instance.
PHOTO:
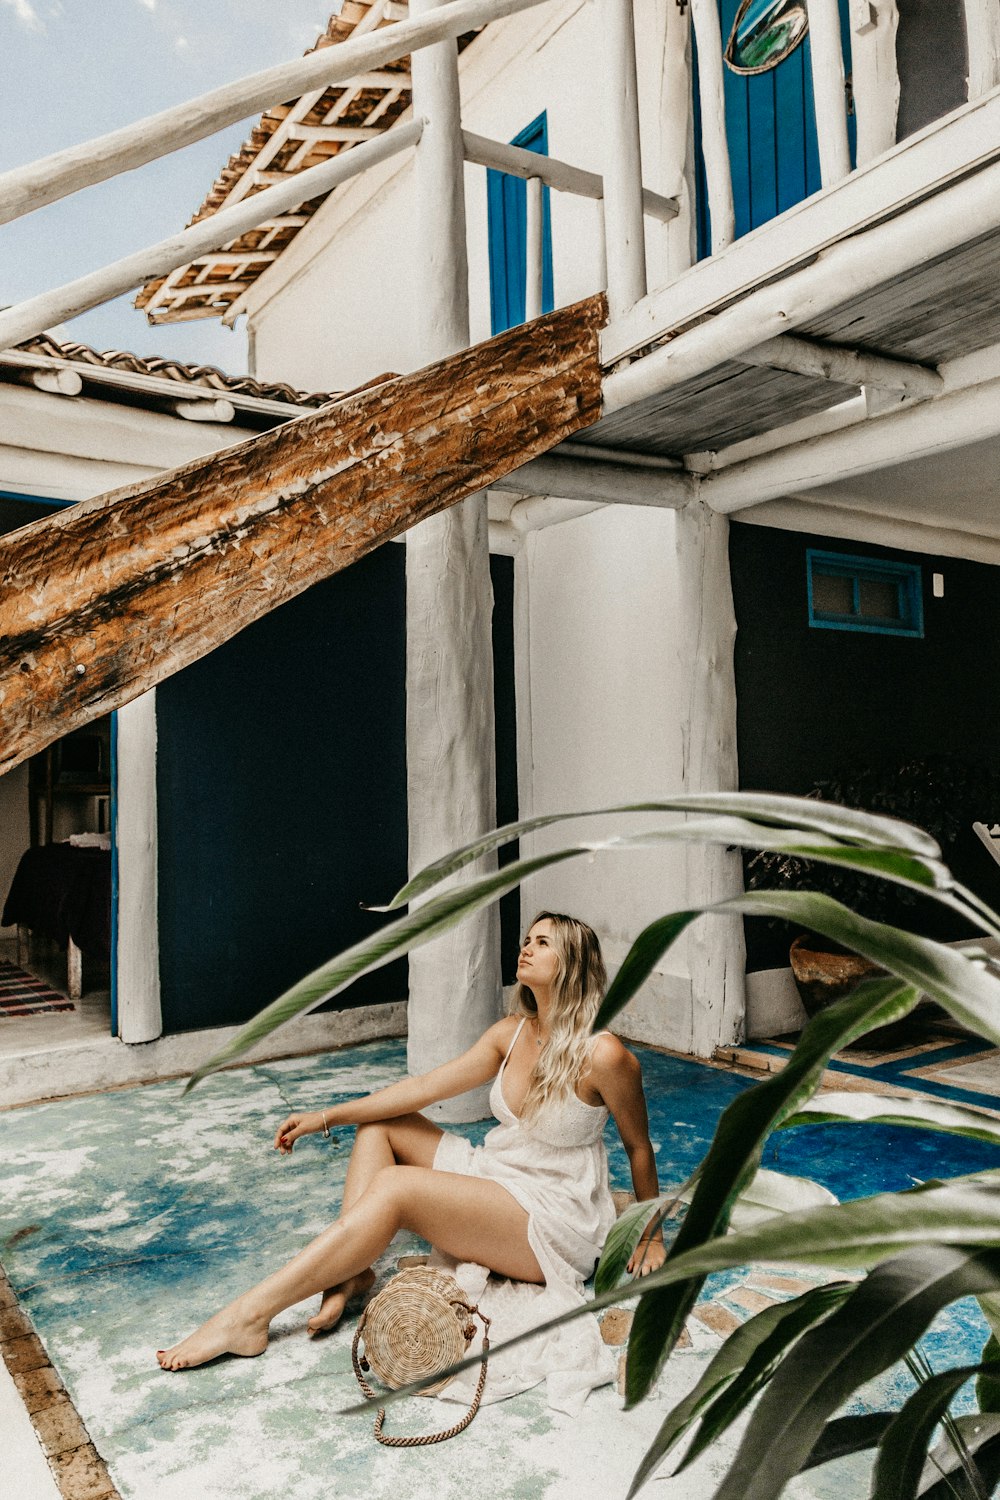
(77, 1467)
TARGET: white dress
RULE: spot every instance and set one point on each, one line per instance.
(557, 1170)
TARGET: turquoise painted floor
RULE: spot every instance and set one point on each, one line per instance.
(125, 1218)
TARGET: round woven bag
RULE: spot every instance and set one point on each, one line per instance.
(419, 1323)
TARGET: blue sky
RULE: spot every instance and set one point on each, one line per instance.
(73, 69)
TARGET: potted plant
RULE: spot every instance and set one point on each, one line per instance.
(943, 794)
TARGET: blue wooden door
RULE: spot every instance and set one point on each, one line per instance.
(771, 130)
(507, 209)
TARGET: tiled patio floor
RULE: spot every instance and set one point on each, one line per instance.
(126, 1217)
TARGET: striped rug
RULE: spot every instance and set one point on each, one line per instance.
(21, 994)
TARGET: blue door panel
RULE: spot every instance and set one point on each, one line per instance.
(771, 132)
(507, 211)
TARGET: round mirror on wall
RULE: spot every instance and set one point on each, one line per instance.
(764, 33)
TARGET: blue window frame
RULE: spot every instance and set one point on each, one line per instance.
(872, 594)
(507, 210)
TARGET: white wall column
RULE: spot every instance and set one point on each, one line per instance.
(454, 981)
(706, 632)
(138, 959)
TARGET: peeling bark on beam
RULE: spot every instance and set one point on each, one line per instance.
(102, 601)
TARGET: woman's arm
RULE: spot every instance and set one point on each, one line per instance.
(617, 1077)
(472, 1068)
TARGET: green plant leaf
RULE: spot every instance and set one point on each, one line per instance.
(625, 1234)
(943, 1479)
(990, 1307)
(965, 987)
(734, 1157)
(769, 810)
(846, 1435)
(903, 1451)
(875, 1109)
(988, 1384)
(801, 1314)
(738, 1350)
(770, 1193)
(877, 1325)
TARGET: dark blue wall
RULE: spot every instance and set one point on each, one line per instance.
(815, 704)
(281, 780)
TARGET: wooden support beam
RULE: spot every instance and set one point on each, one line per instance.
(903, 435)
(845, 366)
(854, 265)
(715, 148)
(32, 317)
(829, 91)
(105, 599)
(450, 735)
(534, 248)
(26, 188)
(556, 174)
(982, 31)
(625, 235)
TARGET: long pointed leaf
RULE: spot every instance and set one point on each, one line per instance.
(883, 1318)
(778, 811)
(738, 1350)
(846, 1435)
(734, 1156)
(943, 1478)
(875, 1109)
(988, 1384)
(803, 1314)
(903, 1450)
(967, 988)
(624, 1235)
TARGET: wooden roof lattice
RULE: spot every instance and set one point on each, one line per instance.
(288, 139)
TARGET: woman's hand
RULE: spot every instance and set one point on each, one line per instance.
(295, 1126)
(647, 1256)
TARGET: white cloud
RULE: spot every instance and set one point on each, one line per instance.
(26, 14)
(149, 4)
(181, 44)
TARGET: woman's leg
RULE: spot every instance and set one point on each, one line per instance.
(409, 1140)
(467, 1217)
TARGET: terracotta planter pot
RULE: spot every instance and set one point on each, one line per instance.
(822, 977)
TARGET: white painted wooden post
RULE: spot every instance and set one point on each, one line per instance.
(454, 981)
(534, 250)
(829, 95)
(712, 97)
(623, 221)
(138, 966)
(875, 75)
(982, 30)
(706, 631)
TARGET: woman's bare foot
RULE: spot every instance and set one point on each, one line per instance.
(336, 1298)
(228, 1332)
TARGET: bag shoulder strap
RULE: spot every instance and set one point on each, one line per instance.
(425, 1439)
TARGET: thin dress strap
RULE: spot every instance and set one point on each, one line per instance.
(513, 1042)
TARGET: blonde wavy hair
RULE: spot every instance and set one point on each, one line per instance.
(577, 994)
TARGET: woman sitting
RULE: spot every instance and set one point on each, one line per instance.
(532, 1203)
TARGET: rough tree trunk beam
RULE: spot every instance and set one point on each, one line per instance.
(104, 600)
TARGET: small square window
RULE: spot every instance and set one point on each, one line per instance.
(879, 595)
